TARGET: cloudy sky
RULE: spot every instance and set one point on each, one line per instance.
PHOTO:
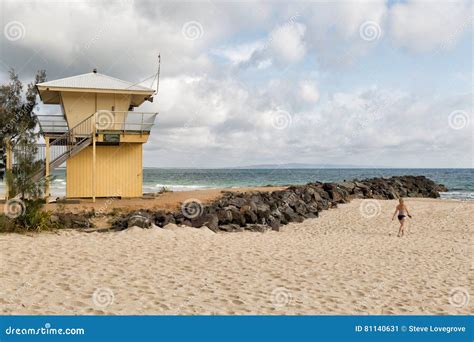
(384, 83)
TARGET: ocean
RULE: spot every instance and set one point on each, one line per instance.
(459, 181)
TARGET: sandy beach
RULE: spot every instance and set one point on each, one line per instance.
(340, 263)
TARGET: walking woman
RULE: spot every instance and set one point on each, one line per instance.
(403, 212)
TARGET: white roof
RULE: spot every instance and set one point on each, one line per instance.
(94, 81)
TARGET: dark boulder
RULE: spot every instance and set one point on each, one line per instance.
(336, 193)
(274, 223)
(249, 214)
(231, 228)
(210, 220)
(288, 197)
(441, 188)
(162, 218)
(300, 208)
(260, 228)
(263, 211)
(139, 219)
(288, 213)
(349, 186)
(237, 201)
(224, 216)
(237, 217)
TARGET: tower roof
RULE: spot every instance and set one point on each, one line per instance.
(94, 80)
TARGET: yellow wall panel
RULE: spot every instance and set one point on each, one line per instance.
(122, 102)
(119, 172)
(78, 106)
(105, 101)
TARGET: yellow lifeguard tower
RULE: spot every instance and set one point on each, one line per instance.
(98, 135)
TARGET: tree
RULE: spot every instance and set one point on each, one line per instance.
(17, 115)
(19, 129)
(17, 111)
(19, 179)
(19, 121)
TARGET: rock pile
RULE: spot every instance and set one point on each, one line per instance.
(260, 211)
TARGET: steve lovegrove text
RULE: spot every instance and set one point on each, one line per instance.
(437, 329)
(411, 328)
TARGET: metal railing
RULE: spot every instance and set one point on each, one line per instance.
(52, 124)
(125, 121)
(66, 144)
(73, 141)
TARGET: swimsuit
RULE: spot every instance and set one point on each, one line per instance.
(401, 214)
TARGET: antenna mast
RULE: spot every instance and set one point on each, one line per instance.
(158, 74)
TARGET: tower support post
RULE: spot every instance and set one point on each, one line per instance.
(9, 165)
(46, 174)
(94, 168)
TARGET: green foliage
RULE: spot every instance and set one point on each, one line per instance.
(115, 212)
(19, 129)
(17, 109)
(7, 225)
(34, 218)
(19, 179)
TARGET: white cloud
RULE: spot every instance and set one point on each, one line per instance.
(238, 53)
(266, 63)
(286, 43)
(333, 32)
(370, 126)
(119, 38)
(185, 101)
(425, 26)
(309, 91)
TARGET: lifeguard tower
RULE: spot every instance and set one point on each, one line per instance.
(98, 134)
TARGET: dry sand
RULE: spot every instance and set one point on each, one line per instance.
(340, 263)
